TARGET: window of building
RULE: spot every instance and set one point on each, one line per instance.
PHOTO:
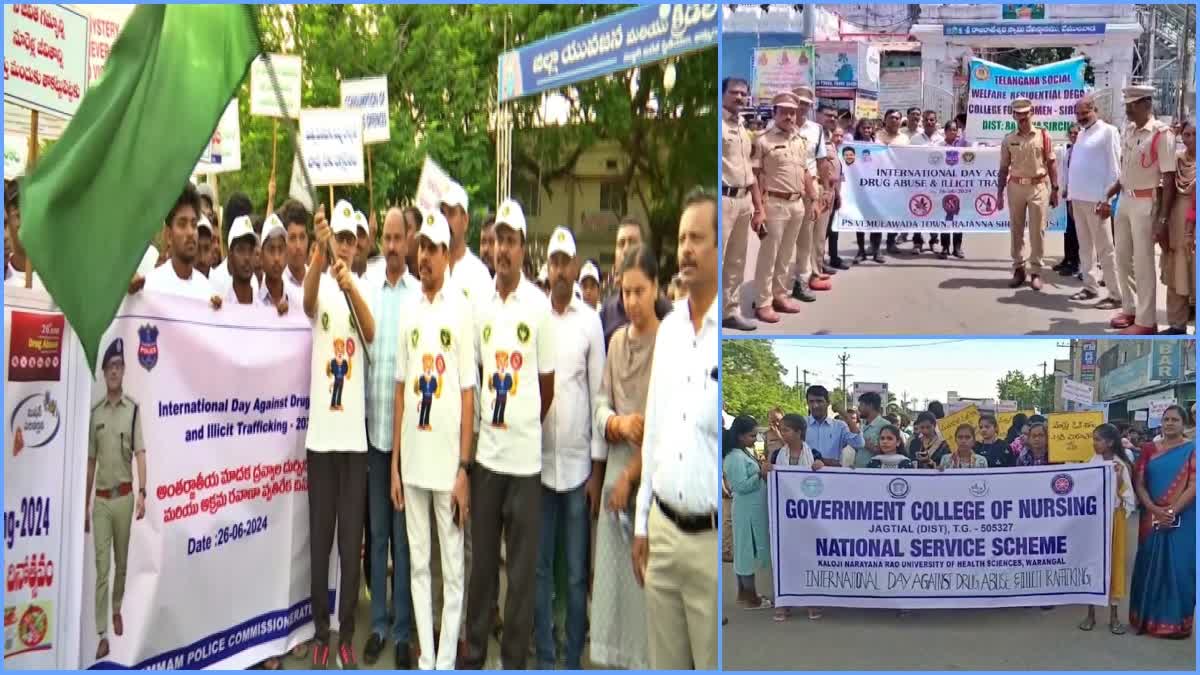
(612, 198)
(528, 193)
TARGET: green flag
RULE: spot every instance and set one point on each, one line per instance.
(91, 205)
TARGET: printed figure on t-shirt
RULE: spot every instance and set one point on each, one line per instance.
(428, 385)
(339, 370)
(503, 383)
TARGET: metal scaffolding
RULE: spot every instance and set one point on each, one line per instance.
(1166, 56)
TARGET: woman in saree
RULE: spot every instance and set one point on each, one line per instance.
(1162, 599)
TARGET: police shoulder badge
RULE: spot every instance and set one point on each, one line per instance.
(487, 332)
(148, 346)
(445, 336)
(523, 332)
(416, 335)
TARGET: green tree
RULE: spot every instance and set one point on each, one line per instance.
(1027, 390)
(441, 62)
(752, 380)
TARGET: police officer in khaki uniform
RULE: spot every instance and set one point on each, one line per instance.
(114, 441)
(741, 200)
(812, 268)
(1147, 163)
(1029, 174)
(782, 171)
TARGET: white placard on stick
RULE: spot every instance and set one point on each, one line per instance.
(431, 185)
(369, 96)
(332, 144)
(263, 100)
(224, 151)
(1077, 392)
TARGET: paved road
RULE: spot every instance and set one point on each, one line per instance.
(963, 639)
(924, 295)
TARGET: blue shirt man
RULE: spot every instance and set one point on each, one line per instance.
(827, 436)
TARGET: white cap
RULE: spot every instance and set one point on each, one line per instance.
(435, 228)
(589, 271)
(455, 195)
(203, 224)
(361, 221)
(342, 219)
(511, 215)
(240, 228)
(273, 225)
(561, 241)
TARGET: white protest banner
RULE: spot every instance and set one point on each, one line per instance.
(1077, 392)
(1155, 413)
(332, 143)
(263, 101)
(224, 152)
(104, 25)
(933, 539)
(45, 57)
(218, 568)
(1053, 88)
(296, 189)
(780, 69)
(924, 189)
(369, 95)
(431, 185)
(46, 389)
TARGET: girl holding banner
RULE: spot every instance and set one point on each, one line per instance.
(746, 475)
(964, 456)
(1162, 601)
(1106, 440)
(889, 456)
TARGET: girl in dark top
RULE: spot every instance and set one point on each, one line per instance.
(1037, 446)
(889, 456)
(1018, 423)
(927, 448)
(991, 446)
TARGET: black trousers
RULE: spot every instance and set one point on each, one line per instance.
(832, 237)
(947, 238)
(1071, 246)
(337, 482)
(511, 505)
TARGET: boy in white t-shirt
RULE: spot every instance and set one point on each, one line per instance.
(431, 458)
(179, 276)
(337, 432)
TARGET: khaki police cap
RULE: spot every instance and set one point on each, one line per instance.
(1137, 92)
(804, 94)
(785, 100)
(1022, 105)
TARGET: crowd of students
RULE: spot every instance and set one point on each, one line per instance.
(1155, 478)
(563, 424)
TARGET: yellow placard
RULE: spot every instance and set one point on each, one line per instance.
(948, 424)
(1005, 419)
(1071, 435)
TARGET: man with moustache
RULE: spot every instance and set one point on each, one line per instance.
(297, 222)
(1029, 179)
(243, 243)
(219, 276)
(468, 275)
(390, 296)
(179, 275)
(487, 244)
(742, 209)
(675, 530)
(1095, 161)
(516, 347)
(431, 455)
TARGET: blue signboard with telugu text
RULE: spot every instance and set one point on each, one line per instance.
(619, 42)
(1017, 29)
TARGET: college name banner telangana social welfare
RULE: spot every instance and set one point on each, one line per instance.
(925, 189)
(216, 570)
(1053, 89)
(931, 539)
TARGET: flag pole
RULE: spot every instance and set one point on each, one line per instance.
(33, 153)
(370, 186)
(274, 149)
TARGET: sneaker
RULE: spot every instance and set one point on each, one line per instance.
(320, 655)
(346, 659)
(402, 657)
(373, 649)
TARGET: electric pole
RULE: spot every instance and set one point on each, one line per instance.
(843, 358)
(1042, 394)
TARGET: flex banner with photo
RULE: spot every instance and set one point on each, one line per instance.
(216, 568)
(925, 189)
(1032, 536)
(46, 390)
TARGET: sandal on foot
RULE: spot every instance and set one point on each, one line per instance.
(814, 614)
(1087, 624)
(760, 603)
(1116, 628)
(781, 614)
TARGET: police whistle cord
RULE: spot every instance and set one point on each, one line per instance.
(308, 186)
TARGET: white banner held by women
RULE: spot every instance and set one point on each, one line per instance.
(218, 568)
(931, 539)
(924, 189)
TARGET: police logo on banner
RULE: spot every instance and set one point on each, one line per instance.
(898, 488)
(148, 346)
(812, 487)
(1062, 484)
(951, 157)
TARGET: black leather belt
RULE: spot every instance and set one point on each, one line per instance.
(689, 524)
(736, 193)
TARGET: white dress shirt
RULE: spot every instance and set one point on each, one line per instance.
(470, 277)
(220, 279)
(568, 444)
(921, 138)
(15, 278)
(291, 282)
(163, 279)
(1095, 162)
(814, 134)
(680, 448)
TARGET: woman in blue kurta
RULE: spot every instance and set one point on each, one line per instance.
(746, 475)
(1162, 600)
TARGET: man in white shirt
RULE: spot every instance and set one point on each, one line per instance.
(1094, 166)
(431, 456)
(589, 285)
(805, 275)
(204, 244)
(274, 290)
(467, 273)
(178, 276)
(243, 242)
(570, 490)
(337, 435)
(675, 530)
(219, 278)
(515, 345)
(929, 134)
(297, 222)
